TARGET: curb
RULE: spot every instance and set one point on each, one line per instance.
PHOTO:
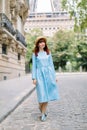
(71, 73)
(15, 106)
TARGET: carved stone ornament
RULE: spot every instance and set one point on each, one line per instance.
(12, 3)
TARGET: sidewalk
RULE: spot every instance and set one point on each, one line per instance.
(68, 113)
(12, 93)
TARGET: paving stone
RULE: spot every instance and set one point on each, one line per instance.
(69, 113)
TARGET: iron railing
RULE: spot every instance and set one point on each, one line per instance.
(5, 22)
(20, 38)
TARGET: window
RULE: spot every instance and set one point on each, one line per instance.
(19, 56)
(4, 49)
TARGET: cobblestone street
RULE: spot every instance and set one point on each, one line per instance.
(69, 113)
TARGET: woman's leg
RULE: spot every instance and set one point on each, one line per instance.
(44, 107)
(40, 106)
(43, 111)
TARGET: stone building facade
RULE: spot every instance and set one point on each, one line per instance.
(49, 22)
(13, 14)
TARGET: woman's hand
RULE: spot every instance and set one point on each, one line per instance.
(34, 81)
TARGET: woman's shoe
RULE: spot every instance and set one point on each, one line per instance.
(46, 114)
(43, 117)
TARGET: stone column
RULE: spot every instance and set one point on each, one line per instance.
(3, 6)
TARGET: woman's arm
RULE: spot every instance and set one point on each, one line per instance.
(34, 68)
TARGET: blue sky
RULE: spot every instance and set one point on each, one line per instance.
(44, 6)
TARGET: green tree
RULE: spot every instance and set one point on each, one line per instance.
(64, 48)
(78, 9)
(82, 54)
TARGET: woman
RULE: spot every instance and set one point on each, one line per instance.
(43, 75)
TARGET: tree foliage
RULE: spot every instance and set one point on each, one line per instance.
(78, 9)
(82, 54)
(64, 48)
(67, 48)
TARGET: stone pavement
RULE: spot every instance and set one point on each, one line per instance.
(69, 113)
(12, 93)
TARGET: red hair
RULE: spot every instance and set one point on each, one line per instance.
(36, 49)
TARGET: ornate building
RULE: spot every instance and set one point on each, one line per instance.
(49, 22)
(13, 14)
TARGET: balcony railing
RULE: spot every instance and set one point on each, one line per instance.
(20, 38)
(5, 22)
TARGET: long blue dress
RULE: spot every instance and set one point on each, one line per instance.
(43, 71)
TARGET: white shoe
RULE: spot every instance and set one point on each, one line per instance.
(43, 117)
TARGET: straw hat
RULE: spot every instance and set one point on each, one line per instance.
(40, 38)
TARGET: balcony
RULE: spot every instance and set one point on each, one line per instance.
(5, 22)
(20, 38)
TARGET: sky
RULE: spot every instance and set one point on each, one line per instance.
(44, 6)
